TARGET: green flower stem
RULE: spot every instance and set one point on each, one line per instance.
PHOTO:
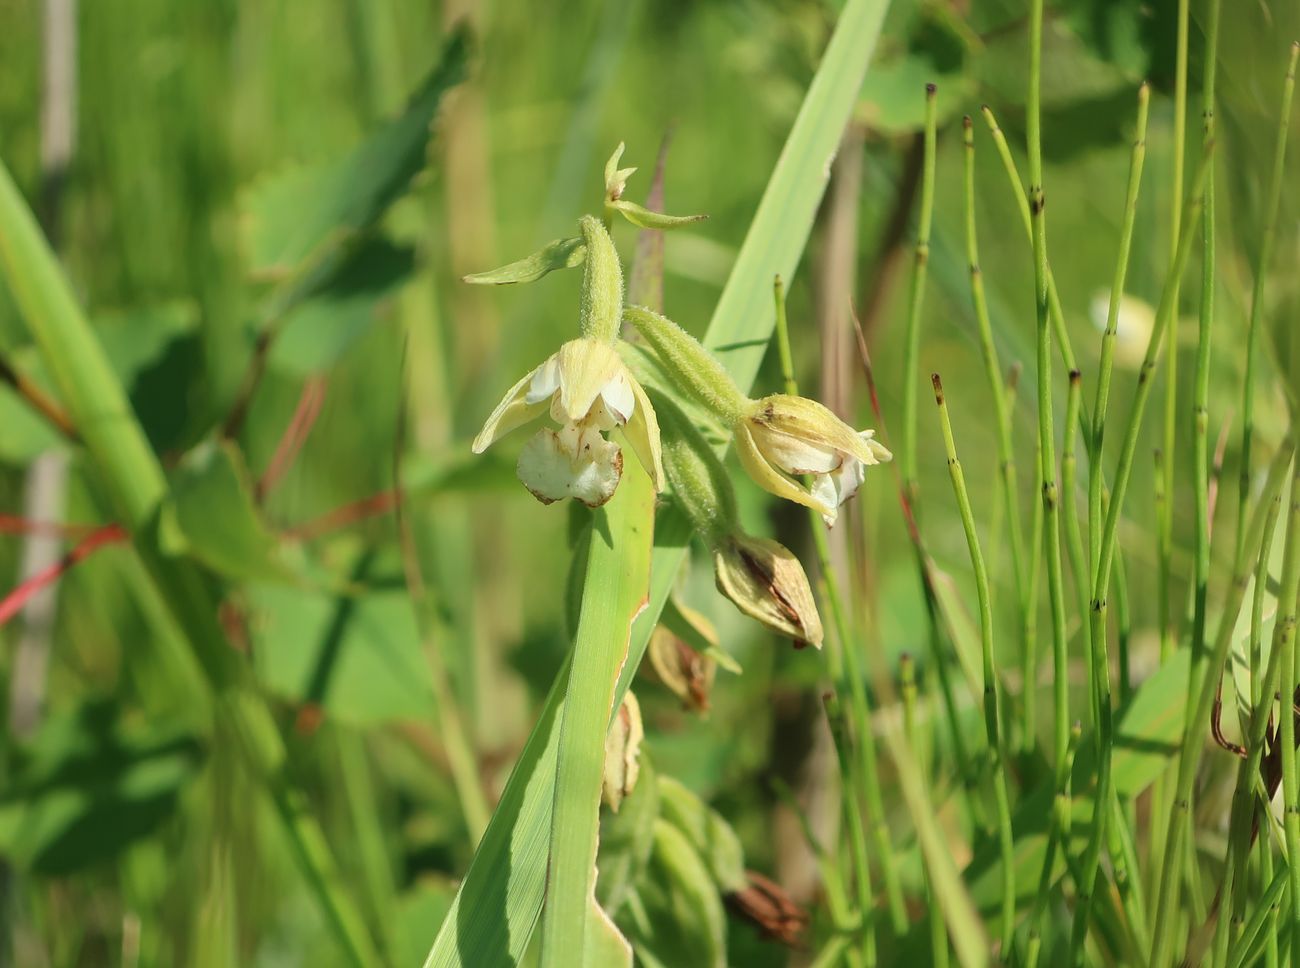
(1070, 524)
(1047, 449)
(852, 672)
(850, 784)
(601, 306)
(997, 755)
(1272, 204)
(697, 476)
(1198, 714)
(131, 476)
(693, 368)
(915, 298)
(1001, 409)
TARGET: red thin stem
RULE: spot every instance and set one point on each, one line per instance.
(13, 602)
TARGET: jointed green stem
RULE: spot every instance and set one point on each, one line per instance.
(1057, 834)
(938, 929)
(1198, 713)
(852, 673)
(993, 733)
(915, 297)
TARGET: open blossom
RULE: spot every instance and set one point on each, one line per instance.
(588, 391)
(783, 438)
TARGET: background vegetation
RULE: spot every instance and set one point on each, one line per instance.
(208, 199)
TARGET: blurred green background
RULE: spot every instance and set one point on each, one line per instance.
(127, 837)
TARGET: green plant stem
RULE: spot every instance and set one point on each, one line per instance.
(1272, 204)
(132, 477)
(1047, 448)
(934, 905)
(915, 298)
(1001, 410)
(852, 672)
(1098, 438)
(851, 783)
(1059, 331)
(1057, 834)
(993, 733)
(1197, 715)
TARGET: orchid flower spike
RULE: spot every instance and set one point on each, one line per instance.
(783, 438)
(589, 391)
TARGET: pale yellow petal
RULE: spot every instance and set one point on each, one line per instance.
(642, 433)
(586, 367)
(767, 477)
(513, 411)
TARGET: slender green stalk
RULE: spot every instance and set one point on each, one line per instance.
(934, 904)
(1244, 812)
(1290, 780)
(850, 783)
(915, 297)
(1272, 203)
(1059, 331)
(1047, 447)
(1097, 441)
(997, 756)
(1197, 715)
(1058, 833)
(1070, 519)
(1029, 657)
(1001, 409)
(1246, 951)
(870, 771)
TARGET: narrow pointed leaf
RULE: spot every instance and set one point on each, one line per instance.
(560, 254)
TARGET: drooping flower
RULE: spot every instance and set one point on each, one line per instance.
(782, 438)
(588, 391)
(766, 582)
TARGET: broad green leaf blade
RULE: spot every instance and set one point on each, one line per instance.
(501, 896)
(293, 218)
(211, 516)
(560, 254)
(614, 592)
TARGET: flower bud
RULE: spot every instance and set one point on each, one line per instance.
(622, 752)
(690, 365)
(699, 481)
(766, 582)
(616, 183)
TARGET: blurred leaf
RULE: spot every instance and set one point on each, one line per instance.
(961, 627)
(295, 216)
(419, 911)
(88, 785)
(133, 340)
(707, 831)
(626, 838)
(560, 254)
(210, 515)
(317, 332)
(684, 924)
(1113, 30)
(136, 339)
(893, 98)
(356, 656)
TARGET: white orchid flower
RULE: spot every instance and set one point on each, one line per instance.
(783, 438)
(589, 392)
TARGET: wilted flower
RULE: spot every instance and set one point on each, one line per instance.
(782, 438)
(622, 753)
(766, 582)
(589, 390)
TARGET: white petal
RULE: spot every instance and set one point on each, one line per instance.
(576, 462)
(546, 380)
(826, 494)
(618, 397)
(795, 455)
